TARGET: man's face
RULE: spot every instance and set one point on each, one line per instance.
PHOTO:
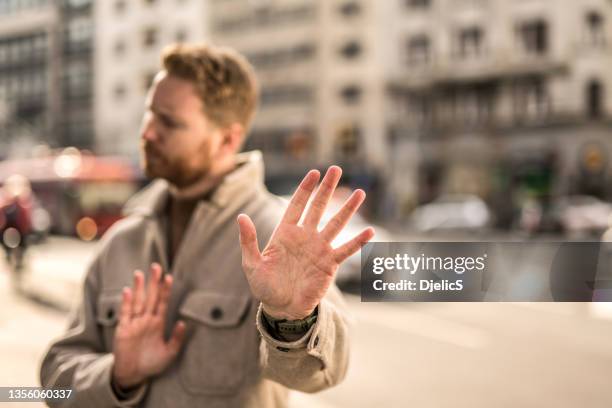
(178, 142)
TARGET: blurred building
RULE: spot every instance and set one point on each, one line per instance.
(77, 73)
(322, 72)
(503, 99)
(130, 37)
(489, 97)
(45, 74)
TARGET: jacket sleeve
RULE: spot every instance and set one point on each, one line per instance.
(319, 359)
(78, 360)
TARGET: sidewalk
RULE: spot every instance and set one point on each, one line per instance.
(55, 270)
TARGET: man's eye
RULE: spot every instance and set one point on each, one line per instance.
(169, 123)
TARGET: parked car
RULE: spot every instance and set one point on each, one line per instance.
(452, 212)
(583, 215)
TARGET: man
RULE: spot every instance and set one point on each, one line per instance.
(201, 331)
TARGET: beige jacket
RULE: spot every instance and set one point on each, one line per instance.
(228, 359)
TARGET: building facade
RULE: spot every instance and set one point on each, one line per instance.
(29, 71)
(489, 97)
(506, 100)
(77, 32)
(45, 74)
(320, 85)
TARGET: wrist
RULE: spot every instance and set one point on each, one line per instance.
(125, 384)
(288, 330)
(283, 315)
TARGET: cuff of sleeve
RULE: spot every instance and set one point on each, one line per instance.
(123, 400)
(282, 346)
(315, 342)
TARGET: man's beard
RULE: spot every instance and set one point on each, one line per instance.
(177, 172)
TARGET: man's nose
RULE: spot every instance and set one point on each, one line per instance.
(148, 130)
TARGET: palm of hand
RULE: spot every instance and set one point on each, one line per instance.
(139, 347)
(142, 338)
(298, 265)
(295, 271)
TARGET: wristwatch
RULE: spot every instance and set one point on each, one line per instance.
(289, 330)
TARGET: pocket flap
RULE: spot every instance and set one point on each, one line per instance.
(109, 305)
(215, 309)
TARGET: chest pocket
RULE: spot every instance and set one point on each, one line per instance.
(107, 316)
(217, 353)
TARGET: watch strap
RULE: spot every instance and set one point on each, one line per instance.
(289, 330)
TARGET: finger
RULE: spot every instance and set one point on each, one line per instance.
(342, 217)
(155, 273)
(126, 306)
(352, 246)
(138, 298)
(177, 337)
(164, 296)
(322, 197)
(248, 241)
(300, 198)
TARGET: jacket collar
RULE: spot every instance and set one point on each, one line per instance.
(248, 175)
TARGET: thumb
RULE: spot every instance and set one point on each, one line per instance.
(248, 241)
(177, 338)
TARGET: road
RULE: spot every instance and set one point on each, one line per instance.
(403, 355)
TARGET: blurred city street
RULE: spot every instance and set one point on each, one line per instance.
(403, 354)
(480, 121)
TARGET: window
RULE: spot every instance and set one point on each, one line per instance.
(596, 35)
(350, 9)
(531, 99)
(286, 94)
(351, 50)
(78, 3)
(270, 17)
(351, 94)
(282, 56)
(298, 142)
(150, 37)
(181, 35)
(119, 47)
(469, 43)
(40, 44)
(120, 91)
(347, 140)
(80, 30)
(533, 37)
(595, 95)
(78, 79)
(120, 6)
(418, 50)
(418, 4)
(474, 105)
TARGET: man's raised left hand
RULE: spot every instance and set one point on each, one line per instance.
(292, 274)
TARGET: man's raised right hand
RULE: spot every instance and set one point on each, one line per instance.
(139, 347)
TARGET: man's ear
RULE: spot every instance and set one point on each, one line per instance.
(232, 137)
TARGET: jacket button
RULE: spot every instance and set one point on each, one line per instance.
(110, 313)
(216, 313)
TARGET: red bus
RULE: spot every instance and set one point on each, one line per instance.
(82, 193)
